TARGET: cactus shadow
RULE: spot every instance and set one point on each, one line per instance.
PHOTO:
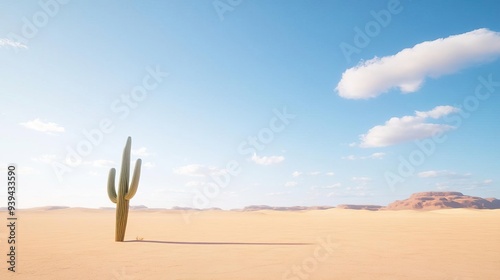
(219, 243)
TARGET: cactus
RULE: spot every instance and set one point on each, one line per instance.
(125, 193)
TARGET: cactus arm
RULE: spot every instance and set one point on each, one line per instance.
(125, 171)
(135, 180)
(111, 185)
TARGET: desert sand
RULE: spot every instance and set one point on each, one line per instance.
(76, 243)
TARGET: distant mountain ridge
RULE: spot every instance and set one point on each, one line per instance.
(417, 201)
(284, 208)
(443, 200)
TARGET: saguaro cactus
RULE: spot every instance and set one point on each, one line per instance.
(125, 193)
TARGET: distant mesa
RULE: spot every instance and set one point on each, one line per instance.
(443, 200)
(138, 207)
(50, 208)
(291, 208)
(185, 208)
(195, 209)
(360, 207)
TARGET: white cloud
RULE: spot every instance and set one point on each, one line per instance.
(372, 156)
(4, 42)
(429, 174)
(408, 69)
(194, 170)
(477, 185)
(291, 184)
(361, 183)
(149, 164)
(195, 183)
(47, 127)
(26, 170)
(332, 186)
(441, 173)
(312, 173)
(465, 184)
(361, 179)
(350, 157)
(277, 193)
(356, 191)
(267, 160)
(141, 152)
(407, 128)
(199, 170)
(103, 163)
(45, 158)
(377, 156)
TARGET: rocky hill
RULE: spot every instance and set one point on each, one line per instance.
(360, 207)
(443, 200)
(291, 208)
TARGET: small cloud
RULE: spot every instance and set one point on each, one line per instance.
(407, 128)
(141, 152)
(442, 173)
(372, 156)
(45, 158)
(296, 174)
(291, 184)
(267, 160)
(350, 157)
(314, 173)
(428, 174)
(26, 170)
(277, 193)
(47, 127)
(327, 187)
(408, 69)
(361, 179)
(103, 163)
(190, 170)
(4, 42)
(442, 186)
(195, 184)
(332, 186)
(377, 156)
(199, 170)
(149, 164)
(329, 173)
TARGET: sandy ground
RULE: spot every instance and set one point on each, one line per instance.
(68, 244)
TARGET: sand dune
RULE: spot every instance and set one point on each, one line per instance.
(314, 244)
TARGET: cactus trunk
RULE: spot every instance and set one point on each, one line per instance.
(122, 199)
(121, 219)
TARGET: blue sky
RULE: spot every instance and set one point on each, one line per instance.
(235, 103)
